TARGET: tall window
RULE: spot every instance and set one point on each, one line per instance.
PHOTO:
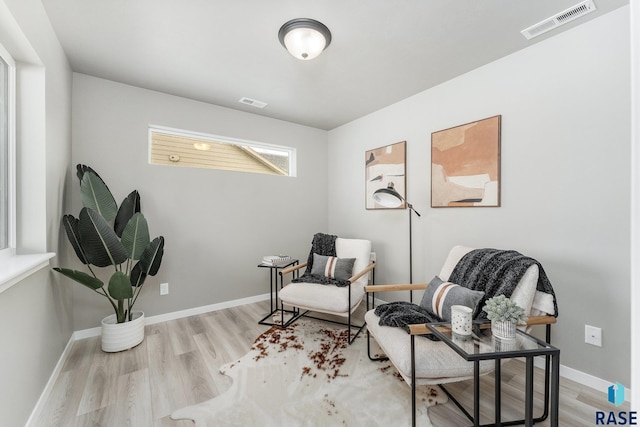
(7, 73)
(176, 147)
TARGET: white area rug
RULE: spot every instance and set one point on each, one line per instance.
(307, 375)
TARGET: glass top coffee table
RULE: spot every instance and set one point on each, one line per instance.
(482, 345)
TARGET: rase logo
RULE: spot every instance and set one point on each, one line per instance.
(616, 394)
(617, 418)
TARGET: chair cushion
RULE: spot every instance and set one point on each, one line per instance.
(358, 249)
(542, 304)
(323, 298)
(332, 267)
(440, 296)
(525, 291)
(455, 254)
(436, 362)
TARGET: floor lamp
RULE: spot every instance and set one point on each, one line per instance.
(390, 198)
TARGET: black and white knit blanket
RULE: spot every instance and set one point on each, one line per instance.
(322, 244)
(497, 272)
(401, 314)
(492, 271)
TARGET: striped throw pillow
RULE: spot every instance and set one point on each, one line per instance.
(440, 296)
(332, 267)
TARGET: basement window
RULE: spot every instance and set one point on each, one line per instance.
(175, 147)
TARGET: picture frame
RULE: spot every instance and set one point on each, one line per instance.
(385, 166)
(465, 165)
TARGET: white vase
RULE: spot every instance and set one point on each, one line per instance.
(122, 336)
(501, 344)
(503, 330)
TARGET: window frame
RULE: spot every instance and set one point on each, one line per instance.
(11, 154)
(291, 151)
(27, 108)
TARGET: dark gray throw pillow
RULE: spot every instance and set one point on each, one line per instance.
(440, 296)
(332, 267)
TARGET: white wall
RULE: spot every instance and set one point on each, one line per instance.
(565, 180)
(217, 224)
(35, 313)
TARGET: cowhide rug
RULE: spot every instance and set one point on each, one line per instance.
(307, 375)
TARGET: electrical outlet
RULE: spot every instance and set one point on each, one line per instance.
(372, 257)
(593, 335)
(164, 288)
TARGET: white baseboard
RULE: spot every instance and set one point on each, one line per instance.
(584, 379)
(205, 309)
(94, 332)
(35, 414)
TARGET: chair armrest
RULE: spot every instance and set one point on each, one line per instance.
(292, 268)
(403, 287)
(421, 328)
(541, 320)
(367, 269)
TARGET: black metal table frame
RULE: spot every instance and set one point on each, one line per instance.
(273, 289)
(552, 379)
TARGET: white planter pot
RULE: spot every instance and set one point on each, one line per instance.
(501, 344)
(503, 330)
(122, 336)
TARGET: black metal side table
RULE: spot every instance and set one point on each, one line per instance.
(273, 286)
(484, 346)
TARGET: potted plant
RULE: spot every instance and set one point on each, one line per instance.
(105, 235)
(504, 315)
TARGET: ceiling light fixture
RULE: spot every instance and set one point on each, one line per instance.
(304, 38)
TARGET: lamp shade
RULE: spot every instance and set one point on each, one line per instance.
(388, 197)
(304, 38)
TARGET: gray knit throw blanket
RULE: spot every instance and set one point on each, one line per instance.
(322, 244)
(401, 314)
(497, 272)
(492, 271)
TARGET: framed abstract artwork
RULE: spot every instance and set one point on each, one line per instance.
(385, 167)
(465, 165)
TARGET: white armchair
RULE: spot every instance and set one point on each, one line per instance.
(306, 297)
(435, 362)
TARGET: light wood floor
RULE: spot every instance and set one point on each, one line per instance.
(177, 365)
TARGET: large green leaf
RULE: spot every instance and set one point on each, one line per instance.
(119, 286)
(129, 206)
(137, 275)
(81, 277)
(96, 195)
(135, 237)
(100, 243)
(71, 227)
(81, 169)
(152, 256)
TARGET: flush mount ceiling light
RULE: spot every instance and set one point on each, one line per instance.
(304, 38)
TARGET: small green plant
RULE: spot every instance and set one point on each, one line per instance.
(105, 235)
(501, 308)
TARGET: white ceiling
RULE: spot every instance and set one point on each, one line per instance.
(219, 51)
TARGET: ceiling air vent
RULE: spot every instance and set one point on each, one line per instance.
(252, 102)
(559, 19)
